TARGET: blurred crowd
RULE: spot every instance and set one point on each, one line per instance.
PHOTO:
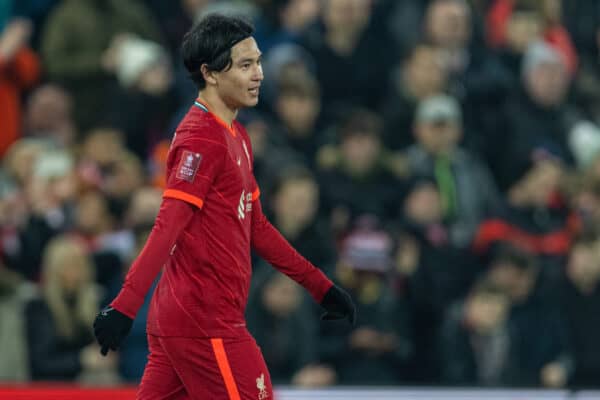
(440, 159)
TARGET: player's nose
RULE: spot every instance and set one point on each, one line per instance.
(258, 75)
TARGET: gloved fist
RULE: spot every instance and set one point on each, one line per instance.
(110, 328)
(338, 305)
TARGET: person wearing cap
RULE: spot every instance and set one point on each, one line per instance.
(209, 221)
(467, 188)
(376, 351)
(539, 112)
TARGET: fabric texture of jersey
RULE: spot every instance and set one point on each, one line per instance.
(205, 282)
(203, 290)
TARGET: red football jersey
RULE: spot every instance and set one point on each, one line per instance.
(204, 286)
(206, 252)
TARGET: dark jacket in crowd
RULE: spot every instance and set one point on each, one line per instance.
(583, 324)
(387, 314)
(476, 192)
(51, 356)
(540, 336)
(463, 352)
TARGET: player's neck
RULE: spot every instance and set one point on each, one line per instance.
(217, 106)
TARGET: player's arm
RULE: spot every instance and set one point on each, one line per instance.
(192, 165)
(114, 322)
(272, 246)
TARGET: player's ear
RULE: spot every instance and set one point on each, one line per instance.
(209, 76)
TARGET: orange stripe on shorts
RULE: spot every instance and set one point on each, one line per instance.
(225, 369)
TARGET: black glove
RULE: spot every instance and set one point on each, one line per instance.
(338, 305)
(110, 328)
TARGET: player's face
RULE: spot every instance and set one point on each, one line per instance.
(239, 85)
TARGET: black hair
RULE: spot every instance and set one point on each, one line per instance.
(210, 41)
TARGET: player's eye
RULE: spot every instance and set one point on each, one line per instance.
(245, 66)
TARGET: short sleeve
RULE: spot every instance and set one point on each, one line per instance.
(191, 169)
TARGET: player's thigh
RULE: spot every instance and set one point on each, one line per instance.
(248, 369)
(160, 380)
(194, 361)
(231, 369)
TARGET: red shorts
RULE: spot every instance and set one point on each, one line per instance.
(207, 369)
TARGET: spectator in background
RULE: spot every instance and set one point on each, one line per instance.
(105, 164)
(59, 324)
(511, 28)
(539, 333)
(285, 21)
(421, 75)
(538, 114)
(145, 76)
(475, 339)
(518, 22)
(15, 175)
(376, 350)
(19, 70)
(125, 177)
(296, 131)
(50, 196)
(449, 26)
(280, 318)
(49, 116)
(338, 45)
(98, 228)
(429, 271)
(294, 205)
(284, 60)
(467, 189)
(475, 78)
(355, 177)
(14, 295)
(580, 301)
(100, 149)
(19, 162)
(534, 216)
(74, 43)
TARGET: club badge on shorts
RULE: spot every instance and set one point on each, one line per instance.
(188, 166)
(262, 387)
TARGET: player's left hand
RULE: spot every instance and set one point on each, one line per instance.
(338, 305)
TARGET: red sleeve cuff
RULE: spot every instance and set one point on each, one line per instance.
(128, 302)
(318, 285)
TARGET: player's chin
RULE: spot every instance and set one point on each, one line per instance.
(251, 101)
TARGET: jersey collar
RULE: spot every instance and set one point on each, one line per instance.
(204, 107)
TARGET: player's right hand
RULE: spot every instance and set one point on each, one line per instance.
(110, 328)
